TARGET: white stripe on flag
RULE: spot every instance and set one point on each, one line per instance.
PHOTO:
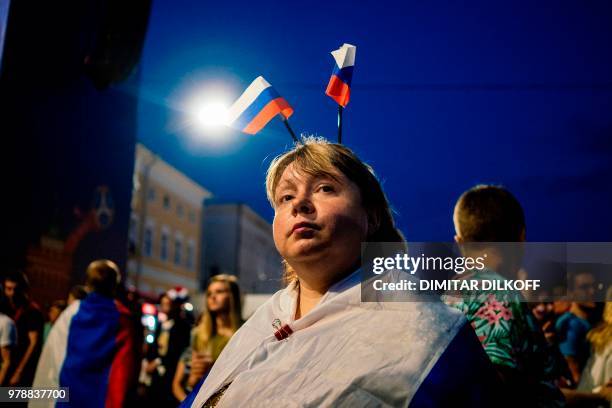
(53, 354)
(247, 98)
(345, 55)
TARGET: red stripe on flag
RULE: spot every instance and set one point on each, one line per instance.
(123, 371)
(273, 108)
(338, 91)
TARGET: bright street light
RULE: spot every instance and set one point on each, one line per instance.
(211, 115)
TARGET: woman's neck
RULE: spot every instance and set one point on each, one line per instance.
(311, 288)
(308, 298)
(224, 324)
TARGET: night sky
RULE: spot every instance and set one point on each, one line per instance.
(445, 95)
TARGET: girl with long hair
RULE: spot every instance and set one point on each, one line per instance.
(597, 375)
(219, 321)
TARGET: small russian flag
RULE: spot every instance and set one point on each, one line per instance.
(339, 87)
(257, 105)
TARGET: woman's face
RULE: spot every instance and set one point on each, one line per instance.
(218, 297)
(165, 305)
(543, 311)
(318, 218)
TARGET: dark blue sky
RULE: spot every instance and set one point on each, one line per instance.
(445, 95)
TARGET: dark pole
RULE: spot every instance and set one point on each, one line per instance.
(291, 132)
(340, 109)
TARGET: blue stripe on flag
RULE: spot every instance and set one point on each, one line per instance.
(89, 351)
(190, 399)
(345, 74)
(258, 104)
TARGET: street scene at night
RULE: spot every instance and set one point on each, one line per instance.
(382, 204)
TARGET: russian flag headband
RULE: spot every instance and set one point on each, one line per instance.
(260, 102)
(339, 86)
(257, 105)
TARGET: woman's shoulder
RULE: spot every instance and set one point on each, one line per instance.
(280, 299)
(423, 316)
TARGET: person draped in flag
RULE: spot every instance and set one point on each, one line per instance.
(315, 343)
(92, 348)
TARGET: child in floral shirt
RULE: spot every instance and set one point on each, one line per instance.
(502, 321)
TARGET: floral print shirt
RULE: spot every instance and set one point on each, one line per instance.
(511, 338)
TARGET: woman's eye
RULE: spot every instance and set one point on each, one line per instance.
(326, 188)
(285, 198)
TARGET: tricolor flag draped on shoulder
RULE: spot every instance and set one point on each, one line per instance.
(257, 105)
(339, 86)
(92, 350)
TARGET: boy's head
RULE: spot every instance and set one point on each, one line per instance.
(582, 286)
(103, 277)
(15, 287)
(487, 213)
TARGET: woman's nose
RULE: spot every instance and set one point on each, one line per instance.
(302, 205)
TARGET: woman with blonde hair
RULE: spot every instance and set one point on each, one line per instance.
(597, 374)
(315, 343)
(219, 321)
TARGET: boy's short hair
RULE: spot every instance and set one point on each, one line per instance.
(487, 213)
(103, 277)
(20, 278)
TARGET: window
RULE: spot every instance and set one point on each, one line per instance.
(192, 217)
(166, 201)
(151, 194)
(148, 241)
(179, 210)
(177, 251)
(163, 249)
(189, 256)
(133, 231)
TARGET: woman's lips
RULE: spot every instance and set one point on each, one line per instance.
(302, 230)
(304, 227)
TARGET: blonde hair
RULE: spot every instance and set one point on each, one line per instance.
(207, 327)
(103, 276)
(318, 157)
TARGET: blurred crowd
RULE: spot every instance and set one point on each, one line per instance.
(579, 336)
(108, 343)
(176, 351)
(167, 350)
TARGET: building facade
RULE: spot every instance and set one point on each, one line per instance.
(165, 232)
(239, 242)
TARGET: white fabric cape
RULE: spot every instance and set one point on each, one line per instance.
(342, 353)
(53, 354)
